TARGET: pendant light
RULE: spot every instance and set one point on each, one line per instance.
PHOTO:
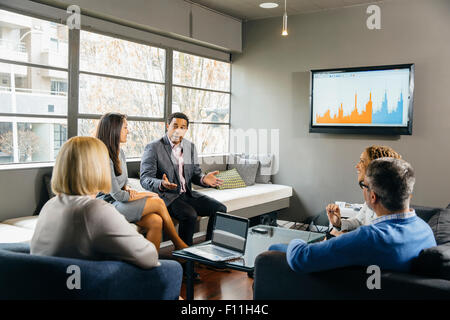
(284, 32)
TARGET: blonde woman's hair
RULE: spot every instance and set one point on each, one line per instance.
(376, 152)
(82, 167)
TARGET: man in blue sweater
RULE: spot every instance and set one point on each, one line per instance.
(390, 242)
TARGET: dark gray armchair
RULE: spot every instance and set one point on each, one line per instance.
(274, 279)
(29, 277)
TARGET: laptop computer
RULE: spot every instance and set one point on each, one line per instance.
(229, 238)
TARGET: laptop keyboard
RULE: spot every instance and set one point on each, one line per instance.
(216, 251)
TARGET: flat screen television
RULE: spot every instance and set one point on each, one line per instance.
(363, 100)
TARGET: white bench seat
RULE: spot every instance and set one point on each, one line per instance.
(240, 198)
(11, 234)
(28, 222)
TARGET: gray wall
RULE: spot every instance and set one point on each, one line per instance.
(168, 17)
(169, 30)
(270, 89)
(270, 85)
(22, 191)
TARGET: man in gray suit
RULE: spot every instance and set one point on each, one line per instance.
(168, 167)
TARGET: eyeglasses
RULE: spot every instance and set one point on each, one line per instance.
(362, 185)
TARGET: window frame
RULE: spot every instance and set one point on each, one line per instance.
(79, 71)
(73, 72)
(208, 90)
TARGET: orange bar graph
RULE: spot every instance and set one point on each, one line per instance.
(353, 117)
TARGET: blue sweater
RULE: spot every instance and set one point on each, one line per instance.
(390, 244)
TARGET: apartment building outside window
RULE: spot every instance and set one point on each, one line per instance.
(29, 65)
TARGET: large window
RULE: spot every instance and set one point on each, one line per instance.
(122, 76)
(201, 89)
(33, 88)
(37, 114)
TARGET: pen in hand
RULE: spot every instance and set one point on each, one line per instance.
(334, 215)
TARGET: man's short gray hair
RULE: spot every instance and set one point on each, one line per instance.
(392, 180)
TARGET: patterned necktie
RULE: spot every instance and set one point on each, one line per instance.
(179, 156)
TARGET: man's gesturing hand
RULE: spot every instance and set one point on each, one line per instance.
(167, 184)
(211, 180)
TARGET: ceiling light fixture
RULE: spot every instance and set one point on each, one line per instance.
(284, 32)
(268, 5)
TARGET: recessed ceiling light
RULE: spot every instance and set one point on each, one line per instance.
(268, 5)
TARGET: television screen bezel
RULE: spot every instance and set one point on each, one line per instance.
(376, 130)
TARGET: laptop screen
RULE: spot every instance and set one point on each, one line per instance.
(230, 232)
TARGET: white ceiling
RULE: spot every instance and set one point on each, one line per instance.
(250, 10)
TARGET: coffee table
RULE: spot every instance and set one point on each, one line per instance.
(256, 244)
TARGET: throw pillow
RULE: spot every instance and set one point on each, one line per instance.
(247, 169)
(46, 193)
(213, 163)
(265, 170)
(231, 179)
(440, 224)
(433, 262)
(48, 185)
(233, 158)
(426, 212)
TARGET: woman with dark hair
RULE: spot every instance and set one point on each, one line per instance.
(145, 209)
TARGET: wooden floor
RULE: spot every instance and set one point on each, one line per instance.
(217, 284)
(221, 285)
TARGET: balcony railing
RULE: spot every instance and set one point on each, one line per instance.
(13, 45)
(34, 91)
(32, 101)
(13, 50)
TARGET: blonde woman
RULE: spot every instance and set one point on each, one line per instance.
(146, 209)
(365, 216)
(77, 225)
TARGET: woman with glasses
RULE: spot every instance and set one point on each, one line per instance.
(365, 215)
(146, 209)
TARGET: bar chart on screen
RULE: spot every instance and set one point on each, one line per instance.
(362, 98)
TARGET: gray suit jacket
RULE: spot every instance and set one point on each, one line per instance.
(158, 160)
